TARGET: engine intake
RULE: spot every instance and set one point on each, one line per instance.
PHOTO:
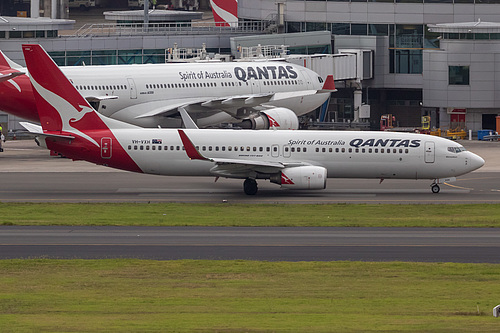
(301, 178)
(276, 118)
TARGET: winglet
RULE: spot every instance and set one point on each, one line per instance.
(186, 119)
(329, 85)
(191, 150)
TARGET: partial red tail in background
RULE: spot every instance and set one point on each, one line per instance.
(225, 12)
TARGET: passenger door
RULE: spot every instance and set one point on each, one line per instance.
(429, 152)
(132, 88)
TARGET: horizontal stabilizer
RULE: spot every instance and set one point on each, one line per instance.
(37, 129)
(6, 77)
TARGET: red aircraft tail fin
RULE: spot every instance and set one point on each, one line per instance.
(225, 12)
(65, 114)
(5, 62)
(60, 106)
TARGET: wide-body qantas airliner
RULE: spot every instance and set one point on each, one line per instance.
(257, 95)
(293, 159)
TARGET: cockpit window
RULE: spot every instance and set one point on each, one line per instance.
(456, 150)
(320, 79)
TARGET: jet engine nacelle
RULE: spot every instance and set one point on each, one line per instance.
(276, 118)
(301, 178)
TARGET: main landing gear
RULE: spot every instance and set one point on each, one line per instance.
(250, 186)
(435, 188)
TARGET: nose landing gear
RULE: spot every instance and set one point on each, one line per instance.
(435, 188)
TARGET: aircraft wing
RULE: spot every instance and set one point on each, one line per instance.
(234, 168)
(227, 104)
(165, 110)
(99, 98)
(230, 104)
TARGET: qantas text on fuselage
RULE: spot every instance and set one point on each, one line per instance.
(301, 160)
(150, 95)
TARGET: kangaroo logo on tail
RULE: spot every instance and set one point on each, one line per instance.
(70, 116)
(60, 106)
(225, 12)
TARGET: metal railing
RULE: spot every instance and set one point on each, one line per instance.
(180, 28)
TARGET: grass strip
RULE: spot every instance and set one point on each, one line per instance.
(180, 214)
(246, 296)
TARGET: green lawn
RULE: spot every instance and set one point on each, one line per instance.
(246, 296)
(172, 214)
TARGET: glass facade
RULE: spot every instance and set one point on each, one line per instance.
(458, 75)
(476, 36)
(406, 41)
(134, 56)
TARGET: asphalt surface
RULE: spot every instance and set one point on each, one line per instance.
(270, 244)
(29, 174)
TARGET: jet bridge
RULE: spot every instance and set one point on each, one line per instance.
(349, 65)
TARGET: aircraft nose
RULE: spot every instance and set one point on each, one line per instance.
(476, 162)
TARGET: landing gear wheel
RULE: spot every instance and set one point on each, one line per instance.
(435, 188)
(250, 186)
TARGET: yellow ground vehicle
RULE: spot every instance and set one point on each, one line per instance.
(388, 122)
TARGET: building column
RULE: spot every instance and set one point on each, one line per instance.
(35, 8)
(357, 103)
(53, 9)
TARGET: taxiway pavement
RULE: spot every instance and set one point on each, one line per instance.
(271, 244)
(29, 174)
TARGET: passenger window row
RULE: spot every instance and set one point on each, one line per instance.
(364, 150)
(281, 83)
(180, 85)
(274, 149)
(214, 84)
(113, 87)
(214, 148)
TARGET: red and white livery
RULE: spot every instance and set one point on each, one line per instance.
(299, 160)
(225, 12)
(151, 95)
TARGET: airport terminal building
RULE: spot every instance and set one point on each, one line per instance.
(417, 54)
(429, 57)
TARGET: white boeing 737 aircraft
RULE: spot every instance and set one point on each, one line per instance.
(256, 95)
(293, 159)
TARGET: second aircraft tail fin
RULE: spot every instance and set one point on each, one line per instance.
(7, 63)
(60, 106)
(225, 12)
